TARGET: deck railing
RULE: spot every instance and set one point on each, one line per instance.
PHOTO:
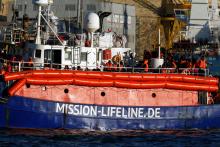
(17, 66)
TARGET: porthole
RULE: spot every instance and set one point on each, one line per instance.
(66, 90)
(28, 85)
(154, 95)
(102, 93)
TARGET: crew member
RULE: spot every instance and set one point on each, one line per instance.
(108, 65)
(121, 66)
(30, 63)
(146, 66)
(9, 67)
(115, 67)
(66, 67)
(202, 65)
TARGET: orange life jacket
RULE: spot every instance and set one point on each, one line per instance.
(115, 67)
(121, 67)
(202, 64)
(146, 66)
(109, 66)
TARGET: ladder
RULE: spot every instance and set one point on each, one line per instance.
(17, 35)
(12, 35)
(76, 55)
(8, 35)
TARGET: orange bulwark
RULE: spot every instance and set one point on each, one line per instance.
(118, 80)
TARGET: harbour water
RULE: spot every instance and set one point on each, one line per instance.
(62, 138)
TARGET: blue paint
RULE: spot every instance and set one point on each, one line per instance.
(30, 113)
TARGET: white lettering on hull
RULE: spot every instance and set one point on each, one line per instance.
(108, 111)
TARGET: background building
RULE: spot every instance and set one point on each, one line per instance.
(4, 7)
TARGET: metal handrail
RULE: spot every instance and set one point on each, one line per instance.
(21, 66)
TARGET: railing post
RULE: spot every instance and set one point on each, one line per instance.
(19, 66)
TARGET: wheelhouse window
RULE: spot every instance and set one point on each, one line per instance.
(68, 55)
(38, 53)
(83, 56)
(47, 56)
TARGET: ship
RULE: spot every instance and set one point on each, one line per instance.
(57, 94)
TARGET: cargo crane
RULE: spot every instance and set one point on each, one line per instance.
(168, 19)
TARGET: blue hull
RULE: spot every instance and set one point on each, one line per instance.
(20, 112)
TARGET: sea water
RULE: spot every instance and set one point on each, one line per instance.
(64, 138)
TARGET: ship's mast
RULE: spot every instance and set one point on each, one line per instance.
(41, 3)
(38, 40)
(78, 12)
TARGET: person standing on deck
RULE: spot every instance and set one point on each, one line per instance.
(108, 66)
(126, 59)
(121, 67)
(146, 66)
(9, 67)
(30, 63)
(202, 65)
